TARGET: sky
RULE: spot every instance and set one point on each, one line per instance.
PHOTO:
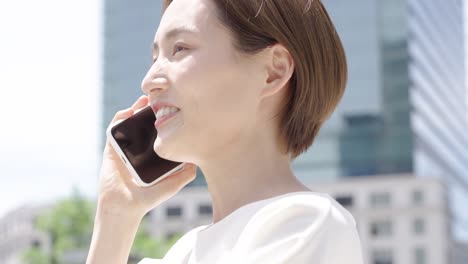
(50, 79)
(49, 92)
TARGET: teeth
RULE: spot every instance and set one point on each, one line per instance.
(165, 111)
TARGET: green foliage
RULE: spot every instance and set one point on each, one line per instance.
(147, 246)
(34, 255)
(69, 224)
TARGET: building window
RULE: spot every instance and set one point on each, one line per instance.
(382, 199)
(419, 256)
(418, 197)
(204, 209)
(345, 200)
(382, 256)
(174, 211)
(382, 228)
(419, 226)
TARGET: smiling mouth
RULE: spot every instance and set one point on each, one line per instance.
(163, 119)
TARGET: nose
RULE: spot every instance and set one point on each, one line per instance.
(154, 81)
(151, 85)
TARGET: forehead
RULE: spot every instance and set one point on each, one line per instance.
(194, 15)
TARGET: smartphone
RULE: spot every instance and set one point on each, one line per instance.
(133, 140)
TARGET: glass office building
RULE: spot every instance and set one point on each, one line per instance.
(129, 29)
(438, 99)
(369, 132)
(404, 108)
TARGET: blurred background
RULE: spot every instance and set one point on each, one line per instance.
(394, 153)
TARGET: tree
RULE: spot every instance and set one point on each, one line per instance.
(147, 246)
(34, 255)
(69, 224)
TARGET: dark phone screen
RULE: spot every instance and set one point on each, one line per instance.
(136, 136)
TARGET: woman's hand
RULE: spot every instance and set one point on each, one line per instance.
(118, 192)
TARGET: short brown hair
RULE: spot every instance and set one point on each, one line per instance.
(306, 30)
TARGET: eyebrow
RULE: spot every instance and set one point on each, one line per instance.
(172, 34)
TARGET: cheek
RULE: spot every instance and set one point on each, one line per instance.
(216, 97)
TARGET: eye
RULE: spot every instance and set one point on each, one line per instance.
(178, 48)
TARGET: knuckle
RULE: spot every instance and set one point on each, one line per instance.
(120, 112)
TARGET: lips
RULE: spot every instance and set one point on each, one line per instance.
(158, 105)
(160, 121)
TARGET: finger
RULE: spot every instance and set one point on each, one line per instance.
(122, 114)
(140, 103)
(126, 113)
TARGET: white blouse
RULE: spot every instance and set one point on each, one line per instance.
(298, 228)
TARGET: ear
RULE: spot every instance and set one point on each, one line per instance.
(279, 66)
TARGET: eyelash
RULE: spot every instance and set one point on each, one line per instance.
(178, 46)
(175, 47)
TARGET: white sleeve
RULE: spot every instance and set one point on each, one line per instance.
(179, 251)
(315, 231)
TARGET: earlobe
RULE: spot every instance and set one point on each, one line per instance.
(279, 67)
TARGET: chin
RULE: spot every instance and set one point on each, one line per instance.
(165, 150)
(160, 148)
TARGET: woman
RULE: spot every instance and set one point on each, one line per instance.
(252, 81)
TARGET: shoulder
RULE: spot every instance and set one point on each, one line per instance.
(300, 227)
(305, 209)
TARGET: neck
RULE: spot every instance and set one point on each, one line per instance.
(246, 172)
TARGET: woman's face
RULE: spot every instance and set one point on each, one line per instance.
(217, 93)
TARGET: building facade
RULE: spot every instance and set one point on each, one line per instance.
(437, 94)
(401, 219)
(404, 109)
(129, 29)
(18, 233)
